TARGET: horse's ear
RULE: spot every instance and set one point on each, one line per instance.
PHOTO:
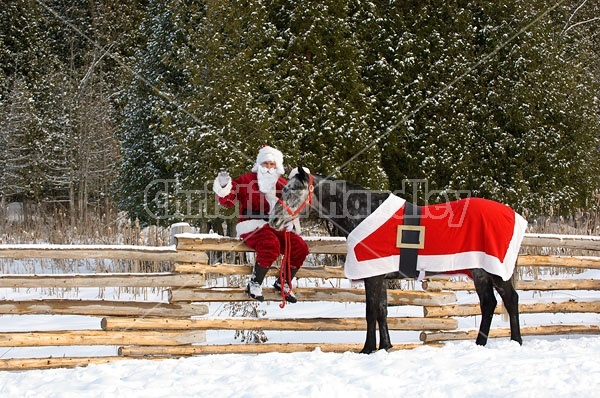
(301, 172)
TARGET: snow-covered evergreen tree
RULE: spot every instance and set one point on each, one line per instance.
(323, 105)
(481, 97)
(144, 132)
(26, 57)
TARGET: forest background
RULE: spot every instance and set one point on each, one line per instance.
(131, 107)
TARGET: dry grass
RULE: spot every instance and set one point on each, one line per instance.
(584, 223)
(56, 228)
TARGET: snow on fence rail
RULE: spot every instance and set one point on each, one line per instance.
(152, 329)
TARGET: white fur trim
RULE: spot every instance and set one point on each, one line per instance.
(355, 269)
(222, 191)
(244, 227)
(266, 154)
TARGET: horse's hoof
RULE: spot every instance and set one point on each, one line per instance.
(367, 351)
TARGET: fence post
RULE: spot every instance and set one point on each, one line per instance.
(178, 228)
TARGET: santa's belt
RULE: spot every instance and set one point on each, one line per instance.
(255, 215)
(409, 239)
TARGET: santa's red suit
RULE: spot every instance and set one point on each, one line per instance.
(253, 226)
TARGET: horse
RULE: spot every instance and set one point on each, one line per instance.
(347, 205)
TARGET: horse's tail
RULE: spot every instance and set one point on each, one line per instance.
(513, 282)
(514, 278)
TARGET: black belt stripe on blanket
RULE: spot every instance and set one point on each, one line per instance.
(408, 256)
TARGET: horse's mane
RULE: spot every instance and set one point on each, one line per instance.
(366, 199)
(351, 185)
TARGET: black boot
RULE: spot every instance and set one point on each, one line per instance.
(254, 288)
(289, 295)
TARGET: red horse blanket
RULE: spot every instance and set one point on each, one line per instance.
(459, 235)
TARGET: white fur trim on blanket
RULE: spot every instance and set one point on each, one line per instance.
(365, 269)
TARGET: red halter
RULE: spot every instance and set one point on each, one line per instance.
(308, 200)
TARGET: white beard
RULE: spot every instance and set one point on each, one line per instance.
(267, 184)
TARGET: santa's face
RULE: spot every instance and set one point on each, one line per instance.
(267, 177)
(270, 164)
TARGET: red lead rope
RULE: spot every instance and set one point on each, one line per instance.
(285, 271)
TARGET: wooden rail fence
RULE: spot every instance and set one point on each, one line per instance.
(175, 326)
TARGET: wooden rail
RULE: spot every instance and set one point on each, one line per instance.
(101, 308)
(563, 306)
(338, 245)
(582, 242)
(338, 272)
(122, 252)
(538, 284)
(177, 351)
(541, 330)
(101, 337)
(344, 295)
(195, 243)
(101, 280)
(244, 269)
(52, 363)
(301, 324)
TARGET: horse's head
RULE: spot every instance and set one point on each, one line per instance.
(296, 195)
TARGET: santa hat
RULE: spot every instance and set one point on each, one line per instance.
(269, 154)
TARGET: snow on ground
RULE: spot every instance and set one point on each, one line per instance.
(559, 366)
(565, 367)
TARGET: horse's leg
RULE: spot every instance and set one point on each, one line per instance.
(510, 297)
(487, 302)
(372, 293)
(385, 342)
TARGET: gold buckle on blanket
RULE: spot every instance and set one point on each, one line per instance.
(418, 228)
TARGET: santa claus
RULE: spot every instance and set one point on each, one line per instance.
(256, 193)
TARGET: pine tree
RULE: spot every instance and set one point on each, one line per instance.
(309, 85)
(283, 74)
(145, 114)
(27, 56)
